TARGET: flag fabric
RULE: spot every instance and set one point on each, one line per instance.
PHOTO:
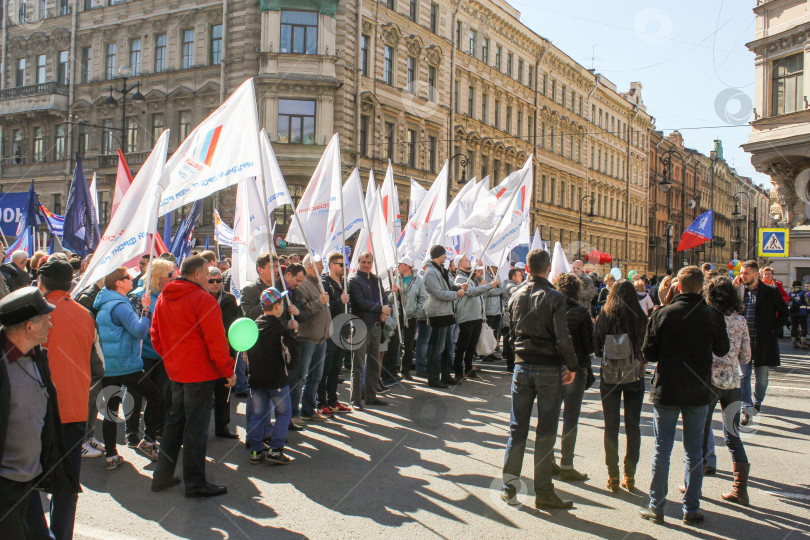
(123, 179)
(417, 194)
(56, 223)
(319, 203)
(219, 152)
(274, 184)
(559, 262)
(699, 231)
(24, 242)
(181, 243)
(206, 242)
(416, 235)
(385, 256)
(349, 218)
(94, 197)
(457, 212)
(363, 242)
(223, 235)
(537, 242)
(389, 199)
(250, 236)
(131, 228)
(81, 232)
(25, 226)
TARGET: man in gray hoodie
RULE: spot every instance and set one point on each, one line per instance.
(471, 314)
(413, 289)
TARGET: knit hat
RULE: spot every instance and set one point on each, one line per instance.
(271, 296)
(437, 251)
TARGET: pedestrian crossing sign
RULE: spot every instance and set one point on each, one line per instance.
(773, 242)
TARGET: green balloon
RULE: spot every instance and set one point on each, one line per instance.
(282, 244)
(243, 334)
(631, 273)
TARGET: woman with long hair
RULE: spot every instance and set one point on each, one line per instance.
(622, 314)
(721, 294)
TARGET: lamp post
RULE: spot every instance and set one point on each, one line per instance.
(713, 157)
(463, 180)
(591, 215)
(737, 215)
(124, 71)
(666, 184)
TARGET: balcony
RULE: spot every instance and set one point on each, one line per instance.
(133, 158)
(50, 96)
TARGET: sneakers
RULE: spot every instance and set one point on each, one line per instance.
(148, 449)
(95, 443)
(133, 440)
(114, 461)
(277, 457)
(315, 417)
(340, 408)
(256, 457)
(89, 452)
(326, 411)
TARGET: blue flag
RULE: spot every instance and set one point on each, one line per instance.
(699, 231)
(206, 242)
(81, 233)
(167, 225)
(181, 243)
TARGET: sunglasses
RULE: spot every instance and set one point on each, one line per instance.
(215, 280)
(339, 264)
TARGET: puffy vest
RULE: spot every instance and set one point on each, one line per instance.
(122, 350)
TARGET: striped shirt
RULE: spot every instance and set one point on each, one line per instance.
(749, 312)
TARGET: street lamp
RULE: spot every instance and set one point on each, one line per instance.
(125, 72)
(666, 184)
(591, 215)
(463, 180)
(736, 214)
(713, 157)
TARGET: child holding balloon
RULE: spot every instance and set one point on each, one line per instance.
(269, 381)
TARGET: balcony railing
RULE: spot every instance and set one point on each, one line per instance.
(111, 160)
(33, 90)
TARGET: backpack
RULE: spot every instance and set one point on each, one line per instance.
(619, 366)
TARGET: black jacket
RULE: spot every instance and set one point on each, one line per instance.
(230, 311)
(365, 303)
(251, 298)
(580, 328)
(538, 326)
(88, 297)
(681, 338)
(771, 315)
(59, 475)
(335, 290)
(267, 368)
(15, 278)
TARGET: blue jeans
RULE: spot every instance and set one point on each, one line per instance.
(760, 386)
(264, 402)
(665, 420)
(310, 355)
(241, 374)
(572, 398)
(438, 365)
(63, 505)
(727, 398)
(422, 339)
(309, 401)
(187, 426)
(530, 382)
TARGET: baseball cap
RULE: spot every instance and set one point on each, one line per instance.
(520, 266)
(271, 296)
(406, 260)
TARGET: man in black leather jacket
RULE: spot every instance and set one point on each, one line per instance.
(544, 360)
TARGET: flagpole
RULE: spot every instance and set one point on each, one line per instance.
(343, 249)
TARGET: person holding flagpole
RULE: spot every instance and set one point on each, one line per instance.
(328, 403)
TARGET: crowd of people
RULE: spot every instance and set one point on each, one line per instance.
(154, 343)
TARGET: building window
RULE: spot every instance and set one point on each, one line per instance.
(432, 83)
(520, 125)
(434, 18)
(562, 145)
(520, 71)
(157, 126)
(296, 121)
(485, 50)
(471, 102)
(299, 32)
(484, 166)
(187, 48)
(390, 4)
(553, 189)
(509, 62)
(132, 135)
(432, 152)
(185, 124)
(109, 61)
(497, 114)
(364, 46)
(543, 134)
(458, 35)
(496, 170)
(39, 145)
(160, 53)
(62, 68)
(470, 164)
(388, 66)
(364, 127)
(564, 95)
(64, 7)
(82, 142)
(485, 108)
(457, 99)
(531, 129)
(411, 74)
(553, 90)
(41, 62)
(412, 148)
(216, 44)
(530, 78)
(509, 119)
(788, 89)
(389, 141)
(20, 76)
(85, 59)
(135, 56)
(545, 83)
(498, 54)
(552, 141)
(473, 36)
(59, 152)
(413, 11)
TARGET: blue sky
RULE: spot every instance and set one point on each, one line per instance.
(690, 56)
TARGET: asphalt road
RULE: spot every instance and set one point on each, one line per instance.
(429, 465)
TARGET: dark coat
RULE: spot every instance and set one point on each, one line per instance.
(15, 278)
(771, 315)
(364, 302)
(87, 299)
(266, 365)
(251, 298)
(580, 327)
(59, 475)
(230, 311)
(681, 338)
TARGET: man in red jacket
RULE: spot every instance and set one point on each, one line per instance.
(187, 332)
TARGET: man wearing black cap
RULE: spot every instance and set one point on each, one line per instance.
(32, 446)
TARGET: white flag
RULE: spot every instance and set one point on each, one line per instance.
(559, 262)
(415, 239)
(274, 184)
(417, 194)
(220, 151)
(250, 236)
(94, 195)
(135, 221)
(364, 240)
(537, 242)
(315, 209)
(524, 236)
(389, 198)
(223, 235)
(385, 258)
(458, 211)
(348, 219)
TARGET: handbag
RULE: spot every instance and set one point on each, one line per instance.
(486, 342)
(619, 366)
